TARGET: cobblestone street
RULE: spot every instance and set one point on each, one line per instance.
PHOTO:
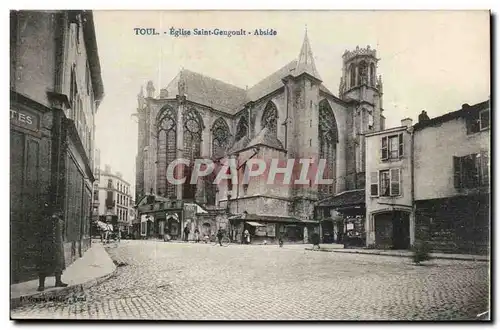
(187, 281)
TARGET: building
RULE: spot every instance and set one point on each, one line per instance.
(290, 114)
(389, 204)
(453, 208)
(430, 182)
(113, 200)
(55, 90)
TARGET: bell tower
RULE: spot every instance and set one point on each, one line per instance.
(361, 87)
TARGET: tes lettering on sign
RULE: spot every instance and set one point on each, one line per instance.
(24, 119)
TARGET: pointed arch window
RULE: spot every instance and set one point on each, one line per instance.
(166, 150)
(372, 74)
(363, 73)
(220, 138)
(270, 118)
(242, 129)
(352, 75)
(193, 127)
(328, 139)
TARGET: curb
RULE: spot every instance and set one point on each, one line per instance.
(398, 255)
(58, 294)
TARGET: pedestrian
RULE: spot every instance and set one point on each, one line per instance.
(315, 240)
(186, 233)
(196, 235)
(219, 236)
(51, 260)
(246, 236)
(280, 240)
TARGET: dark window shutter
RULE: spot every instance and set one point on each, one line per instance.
(385, 150)
(395, 182)
(401, 145)
(374, 184)
(457, 170)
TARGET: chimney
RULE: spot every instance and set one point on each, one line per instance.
(423, 117)
(163, 93)
(406, 122)
(119, 174)
(107, 169)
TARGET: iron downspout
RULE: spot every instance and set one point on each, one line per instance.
(412, 160)
(286, 119)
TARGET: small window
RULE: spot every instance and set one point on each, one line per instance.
(110, 183)
(385, 183)
(392, 147)
(484, 120)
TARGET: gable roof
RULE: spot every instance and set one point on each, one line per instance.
(239, 145)
(266, 138)
(228, 98)
(466, 111)
(271, 82)
(208, 91)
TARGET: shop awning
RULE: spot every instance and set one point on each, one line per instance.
(255, 224)
(344, 199)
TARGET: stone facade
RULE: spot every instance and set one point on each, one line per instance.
(55, 87)
(288, 115)
(453, 208)
(388, 187)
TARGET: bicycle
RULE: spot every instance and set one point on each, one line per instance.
(225, 241)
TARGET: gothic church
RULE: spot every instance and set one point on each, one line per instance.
(290, 114)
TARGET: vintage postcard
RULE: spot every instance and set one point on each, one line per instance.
(250, 165)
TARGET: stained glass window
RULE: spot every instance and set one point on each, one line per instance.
(270, 117)
(193, 126)
(328, 139)
(220, 138)
(242, 129)
(167, 147)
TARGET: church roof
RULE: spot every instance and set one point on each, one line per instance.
(266, 138)
(271, 82)
(225, 97)
(208, 91)
(239, 145)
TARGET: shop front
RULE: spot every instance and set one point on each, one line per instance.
(160, 217)
(343, 217)
(265, 229)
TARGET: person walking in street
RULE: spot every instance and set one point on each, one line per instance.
(196, 235)
(219, 236)
(246, 236)
(186, 233)
(315, 240)
(51, 259)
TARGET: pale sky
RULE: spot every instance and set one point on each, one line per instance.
(432, 60)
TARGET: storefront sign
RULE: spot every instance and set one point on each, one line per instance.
(24, 119)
